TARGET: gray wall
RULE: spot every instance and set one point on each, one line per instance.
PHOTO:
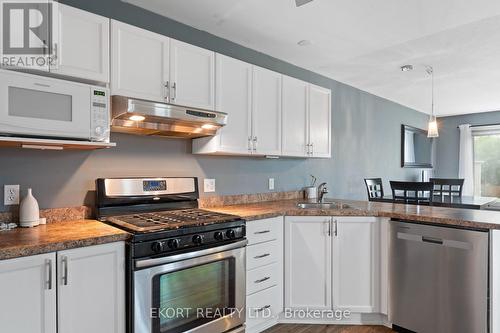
(365, 141)
(448, 143)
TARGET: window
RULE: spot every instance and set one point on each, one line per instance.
(487, 161)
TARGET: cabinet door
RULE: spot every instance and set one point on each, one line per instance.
(28, 294)
(356, 264)
(308, 249)
(320, 124)
(294, 117)
(234, 97)
(266, 114)
(192, 74)
(82, 48)
(91, 289)
(35, 60)
(140, 66)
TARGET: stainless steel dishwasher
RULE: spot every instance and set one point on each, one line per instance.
(438, 279)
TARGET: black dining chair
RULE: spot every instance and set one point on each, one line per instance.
(374, 188)
(413, 192)
(448, 186)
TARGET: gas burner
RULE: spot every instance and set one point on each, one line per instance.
(171, 219)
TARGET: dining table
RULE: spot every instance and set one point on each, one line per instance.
(468, 202)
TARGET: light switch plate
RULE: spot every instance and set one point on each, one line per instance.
(208, 185)
(10, 195)
(271, 184)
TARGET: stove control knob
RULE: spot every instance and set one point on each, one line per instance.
(173, 243)
(158, 247)
(197, 239)
(231, 234)
(219, 235)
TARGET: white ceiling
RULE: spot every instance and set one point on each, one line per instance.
(364, 42)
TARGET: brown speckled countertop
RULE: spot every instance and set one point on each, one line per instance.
(57, 236)
(477, 219)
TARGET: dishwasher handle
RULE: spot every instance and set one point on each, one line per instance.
(432, 240)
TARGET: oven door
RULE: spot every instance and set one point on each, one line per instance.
(32, 105)
(203, 293)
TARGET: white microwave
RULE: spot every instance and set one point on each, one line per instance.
(37, 106)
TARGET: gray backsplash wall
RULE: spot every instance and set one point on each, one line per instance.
(365, 140)
(448, 144)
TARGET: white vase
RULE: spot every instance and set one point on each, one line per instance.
(29, 212)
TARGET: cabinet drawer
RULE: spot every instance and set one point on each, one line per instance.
(263, 230)
(262, 278)
(262, 254)
(263, 306)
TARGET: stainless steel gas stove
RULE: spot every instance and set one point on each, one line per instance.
(186, 265)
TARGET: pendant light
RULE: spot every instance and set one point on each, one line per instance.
(432, 127)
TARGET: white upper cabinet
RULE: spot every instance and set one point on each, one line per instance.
(80, 41)
(139, 63)
(28, 294)
(320, 125)
(153, 67)
(356, 264)
(266, 111)
(308, 257)
(294, 117)
(192, 75)
(234, 97)
(82, 48)
(91, 295)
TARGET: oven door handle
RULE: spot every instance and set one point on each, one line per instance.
(144, 263)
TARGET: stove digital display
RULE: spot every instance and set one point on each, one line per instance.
(154, 185)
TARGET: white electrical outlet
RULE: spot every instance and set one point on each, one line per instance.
(271, 184)
(10, 195)
(209, 185)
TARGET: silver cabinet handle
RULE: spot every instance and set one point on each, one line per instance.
(249, 144)
(167, 92)
(48, 264)
(174, 87)
(64, 262)
(312, 148)
(329, 227)
(56, 51)
(262, 280)
(255, 143)
(336, 228)
(262, 256)
(263, 308)
(262, 232)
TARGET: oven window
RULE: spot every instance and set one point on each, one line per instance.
(39, 104)
(194, 296)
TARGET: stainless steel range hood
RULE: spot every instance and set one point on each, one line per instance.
(142, 117)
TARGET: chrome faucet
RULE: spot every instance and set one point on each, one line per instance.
(322, 190)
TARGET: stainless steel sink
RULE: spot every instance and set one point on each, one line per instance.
(324, 205)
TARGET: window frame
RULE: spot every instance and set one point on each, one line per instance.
(483, 130)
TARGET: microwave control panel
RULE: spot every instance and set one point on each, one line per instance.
(100, 116)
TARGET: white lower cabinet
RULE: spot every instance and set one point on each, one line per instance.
(86, 294)
(308, 262)
(28, 294)
(91, 284)
(356, 264)
(264, 273)
(333, 263)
